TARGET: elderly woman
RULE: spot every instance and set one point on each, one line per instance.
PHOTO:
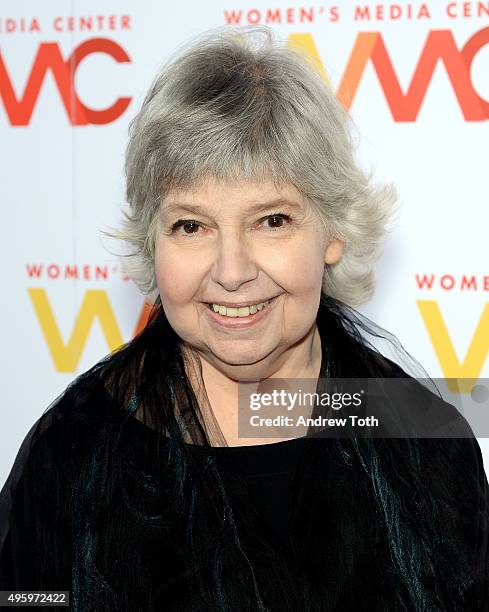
(254, 233)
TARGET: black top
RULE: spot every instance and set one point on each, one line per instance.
(327, 535)
(267, 470)
(101, 505)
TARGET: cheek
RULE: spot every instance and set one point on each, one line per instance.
(300, 265)
(176, 280)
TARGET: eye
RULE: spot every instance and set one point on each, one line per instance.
(277, 220)
(189, 226)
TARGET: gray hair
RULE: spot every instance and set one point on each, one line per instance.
(235, 103)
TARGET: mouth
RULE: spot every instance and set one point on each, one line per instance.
(239, 311)
(244, 316)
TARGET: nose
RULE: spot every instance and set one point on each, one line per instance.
(234, 264)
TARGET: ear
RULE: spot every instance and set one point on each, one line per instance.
(334, 252)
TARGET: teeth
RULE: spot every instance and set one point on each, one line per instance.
(245, 311)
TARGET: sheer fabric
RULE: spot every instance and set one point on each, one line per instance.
(102, 503)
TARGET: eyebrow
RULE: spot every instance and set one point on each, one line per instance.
(171, 206)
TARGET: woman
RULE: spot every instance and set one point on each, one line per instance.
(254, 232)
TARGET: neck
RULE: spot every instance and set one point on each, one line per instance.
(300, 361)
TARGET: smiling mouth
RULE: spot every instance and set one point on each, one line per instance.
(239, 312)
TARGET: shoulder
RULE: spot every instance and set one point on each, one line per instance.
(69, 423)
(84, 405)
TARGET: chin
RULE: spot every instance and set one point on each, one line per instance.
(245, 359)
(244, 373)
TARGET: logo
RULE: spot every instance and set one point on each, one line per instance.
(49, 58)
(95, 306)
(471, 365)
(439, 47)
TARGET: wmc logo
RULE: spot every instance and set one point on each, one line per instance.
(470, 367)
(439, 47)
(49, 58)
(95, 306)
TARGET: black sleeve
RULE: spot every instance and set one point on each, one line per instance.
(34, 514)
(477, 524)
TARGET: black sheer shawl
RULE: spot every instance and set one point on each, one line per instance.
(119, 500)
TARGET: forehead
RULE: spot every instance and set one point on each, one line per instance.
(246, 196)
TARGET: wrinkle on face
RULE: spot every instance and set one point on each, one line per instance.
(234, 260)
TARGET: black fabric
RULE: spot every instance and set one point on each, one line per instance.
(90, 502)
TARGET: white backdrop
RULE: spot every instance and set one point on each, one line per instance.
(418, 100)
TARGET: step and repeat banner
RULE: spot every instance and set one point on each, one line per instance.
(413, 75)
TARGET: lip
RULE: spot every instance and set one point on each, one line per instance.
(240, 304)
(241, 322)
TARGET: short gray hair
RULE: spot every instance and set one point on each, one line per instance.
(236, 103)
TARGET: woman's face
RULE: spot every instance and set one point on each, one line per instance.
(235, 245)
